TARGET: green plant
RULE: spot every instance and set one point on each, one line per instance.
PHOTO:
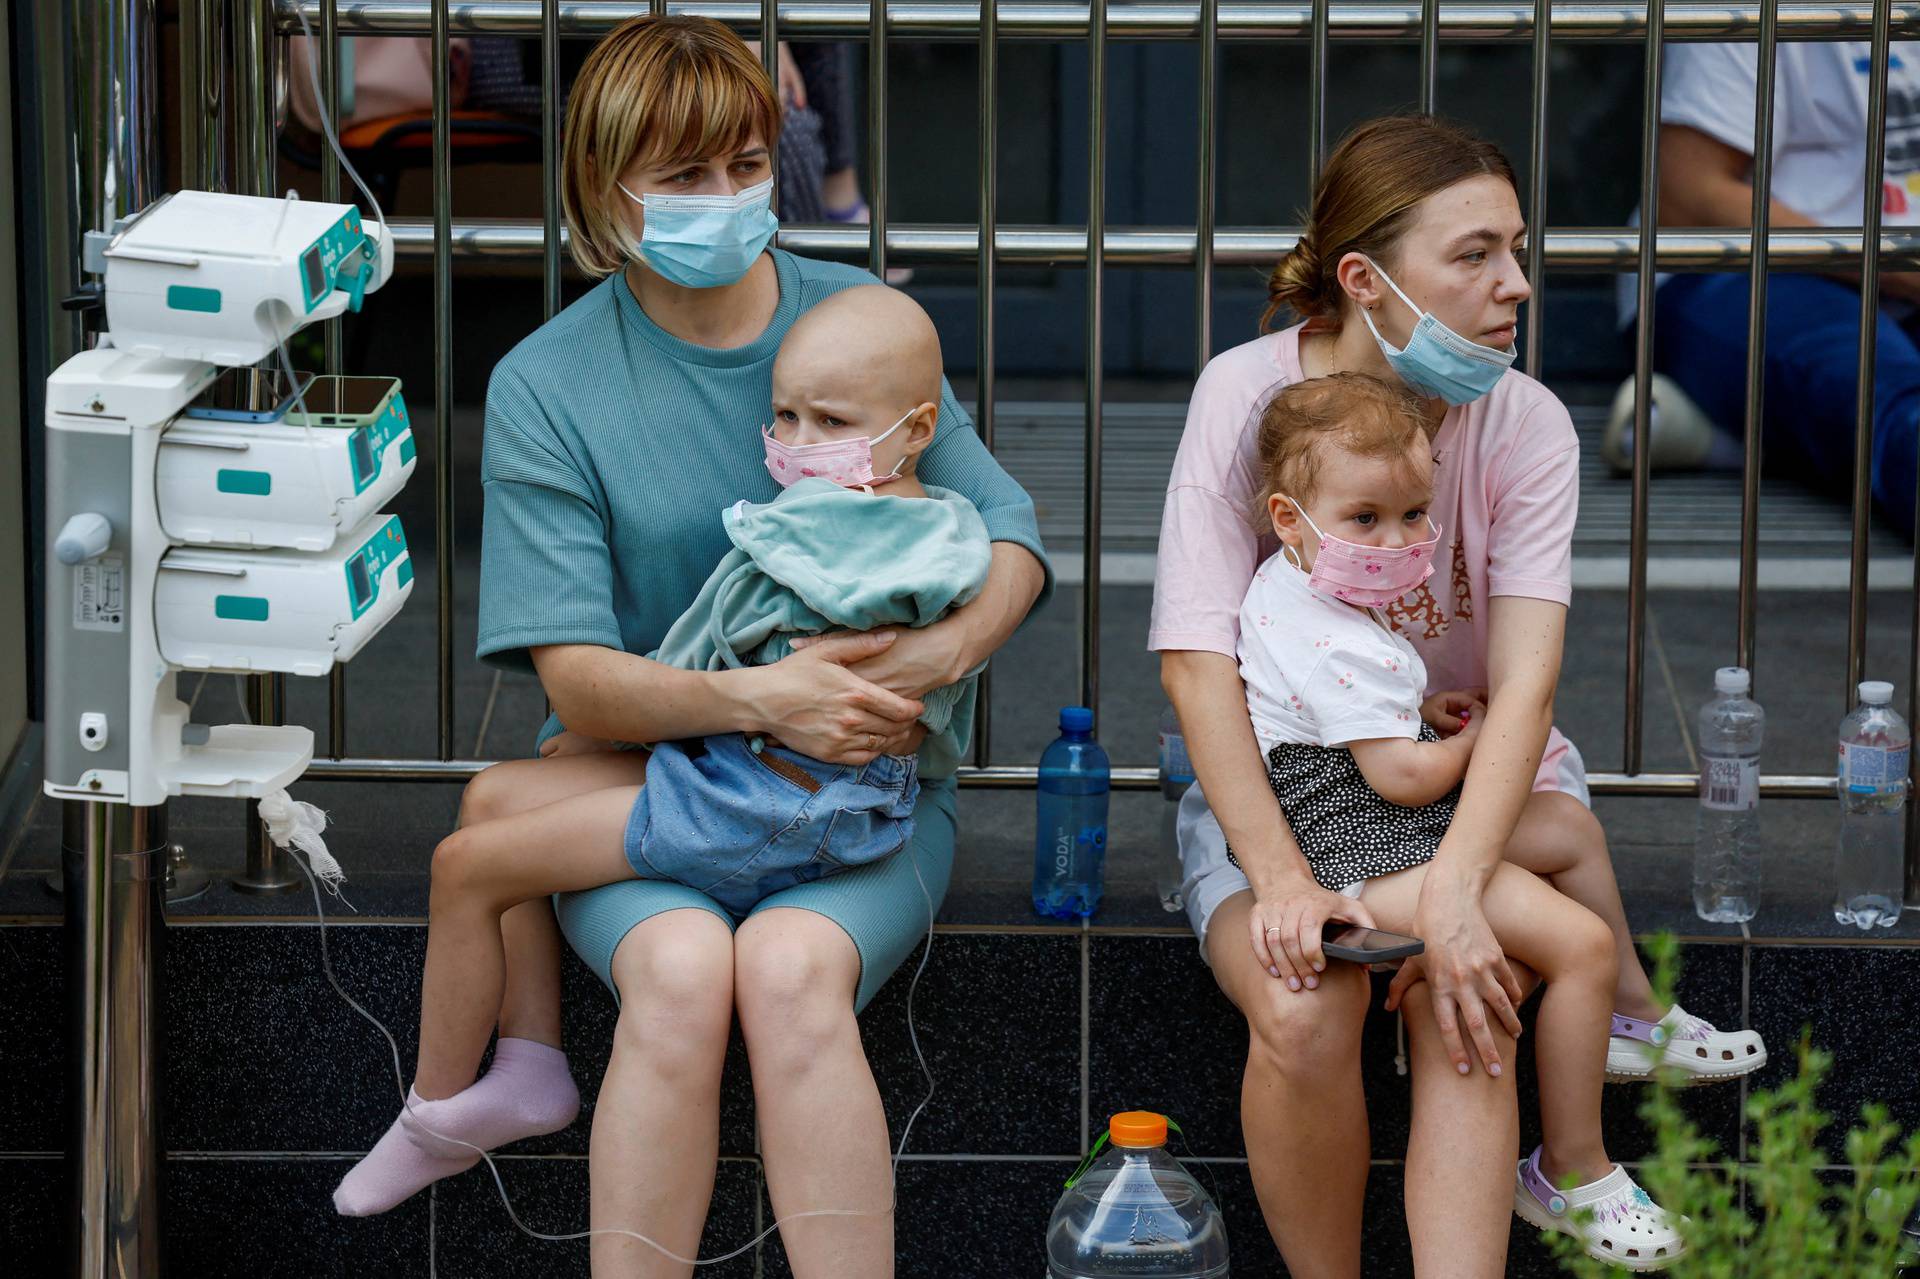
(1786, 1213)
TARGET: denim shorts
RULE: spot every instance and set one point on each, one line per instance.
(738, 825)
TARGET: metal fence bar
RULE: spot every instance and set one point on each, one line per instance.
(1203, 203)
(550, 155)
(443, 367)
(1642, 405)
(1869, 333)
(330, 334)
(989, 218)
(267, 870)
(1745, 645)
(1096, 350)
(1319, 23)
(1601, 249)
(877, 139)
(1015, 776)
(1264, 20)
(1429, 54)
(770, 59)
(1536, 212)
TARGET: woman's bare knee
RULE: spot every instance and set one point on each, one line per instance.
(1309, 1036)
(674, 973)
(794, 985)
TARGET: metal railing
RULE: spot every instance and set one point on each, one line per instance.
(987, 242)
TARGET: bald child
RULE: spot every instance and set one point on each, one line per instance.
(853, 542)
(862, 365)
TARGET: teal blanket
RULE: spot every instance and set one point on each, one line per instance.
(822, 558)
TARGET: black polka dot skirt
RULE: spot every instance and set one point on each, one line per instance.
(1346, 828)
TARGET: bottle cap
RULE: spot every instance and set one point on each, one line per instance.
(1076, 719)
(1137, 1129)
(1876, 692)
(1732, 679)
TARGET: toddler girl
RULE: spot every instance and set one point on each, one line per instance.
(1369, 785)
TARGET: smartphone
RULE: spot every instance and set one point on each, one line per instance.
(1341, 940)
(248, 394)
(340, 401)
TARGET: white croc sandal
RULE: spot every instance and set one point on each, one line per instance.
(1613, 1217)
(1681, 1043)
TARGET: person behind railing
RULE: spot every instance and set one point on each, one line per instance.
(1812, 321)
(505, 77)
(1438, 209)
(615, 434)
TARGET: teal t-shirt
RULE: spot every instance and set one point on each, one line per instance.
(611, 448)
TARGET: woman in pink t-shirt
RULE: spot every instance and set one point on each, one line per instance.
(1438, 208)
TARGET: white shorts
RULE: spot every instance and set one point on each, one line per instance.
(1210, 878)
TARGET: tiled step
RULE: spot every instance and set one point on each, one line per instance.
(271, 1086)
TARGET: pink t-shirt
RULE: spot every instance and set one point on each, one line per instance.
(1506, 490)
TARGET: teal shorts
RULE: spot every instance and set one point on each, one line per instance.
(879, 905)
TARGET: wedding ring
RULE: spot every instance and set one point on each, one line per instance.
(873, 741)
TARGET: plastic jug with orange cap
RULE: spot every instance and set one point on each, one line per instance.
(1134, 1210)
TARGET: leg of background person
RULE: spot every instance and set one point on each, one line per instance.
(656, 1126)
(1813, 347)
(828, 72)
(802, 167)
(823, 1132)
(1302, 1107)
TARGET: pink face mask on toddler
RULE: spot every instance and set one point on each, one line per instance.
(848, 463)
(1369, 576)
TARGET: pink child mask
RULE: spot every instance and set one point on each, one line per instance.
(848, 463)
(1369, 576)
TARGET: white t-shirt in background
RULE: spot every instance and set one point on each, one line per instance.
(1319, 672)
(1819, 124)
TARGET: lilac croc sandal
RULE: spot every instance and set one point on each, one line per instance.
(1682, 1043)
(1612, 1217)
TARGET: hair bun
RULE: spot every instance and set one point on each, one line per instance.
(1296, 282)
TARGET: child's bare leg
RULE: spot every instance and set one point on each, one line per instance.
(1573, 951)
(479, 873)
(1559, 837)
(483, 871)
(530, 1007)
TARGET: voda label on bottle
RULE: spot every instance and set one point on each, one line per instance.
(1872, 770)
(1730, 783)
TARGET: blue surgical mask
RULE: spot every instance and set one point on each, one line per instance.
(1438, 362)
(705, 241)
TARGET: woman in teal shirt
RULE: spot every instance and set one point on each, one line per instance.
(615, 435)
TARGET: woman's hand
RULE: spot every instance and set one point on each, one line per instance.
(1285, 925)
(813, 703)
(1443, 710)
(1472, 983)
(917, 662)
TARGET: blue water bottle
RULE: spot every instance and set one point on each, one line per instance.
(1070, 844)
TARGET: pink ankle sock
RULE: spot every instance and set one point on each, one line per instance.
(526, 1092)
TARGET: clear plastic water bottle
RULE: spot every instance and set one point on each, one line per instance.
(1868, 867)
(1726, 840)
(1070, 843)
(1136, 1211)
(1176, 775)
